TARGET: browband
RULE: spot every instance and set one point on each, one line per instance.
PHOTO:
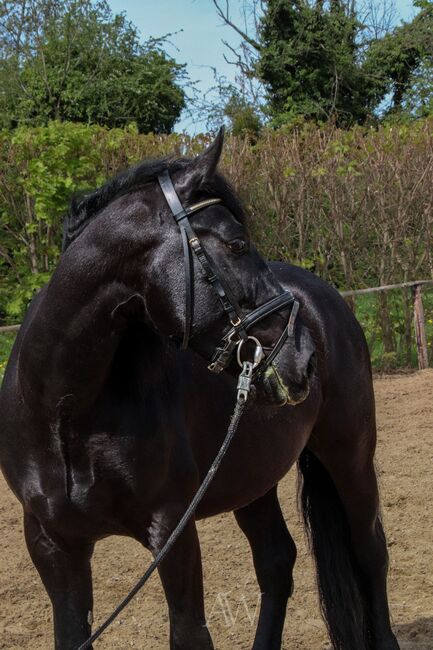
(170, 194)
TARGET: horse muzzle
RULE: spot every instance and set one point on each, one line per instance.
(270, 389)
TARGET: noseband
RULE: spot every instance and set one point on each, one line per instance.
(238, 332)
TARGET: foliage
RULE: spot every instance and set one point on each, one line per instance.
(401, 64)
(309, 61)
(334, 60)
(242, 115)
(75, 61)
(403, 354)
(6, 342)
(40, 168)
(417, 100)
(354, 206)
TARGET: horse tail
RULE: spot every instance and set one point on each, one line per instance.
(343, 606)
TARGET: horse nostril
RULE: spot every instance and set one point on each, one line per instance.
(311, 365)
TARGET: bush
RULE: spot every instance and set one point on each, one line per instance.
(40, 168)
(6, 342)
(353, 206)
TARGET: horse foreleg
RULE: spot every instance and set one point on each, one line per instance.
(274, 555)
(182, 579)
(66, 575)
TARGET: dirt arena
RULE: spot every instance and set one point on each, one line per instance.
(405, 464)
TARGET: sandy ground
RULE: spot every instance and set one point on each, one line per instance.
(405, 463)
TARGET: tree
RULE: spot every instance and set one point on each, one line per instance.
(75, 61)
(339, 59)
(308, 61)
(306, 56)
(400, 65)
(242, 115)
(417, 100)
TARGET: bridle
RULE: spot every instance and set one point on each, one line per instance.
(237, 335)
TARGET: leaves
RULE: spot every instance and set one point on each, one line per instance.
(40, 169)
(341, 61)
(75, 61)
(308, 62)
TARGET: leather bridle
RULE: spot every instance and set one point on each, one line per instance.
(238, 332)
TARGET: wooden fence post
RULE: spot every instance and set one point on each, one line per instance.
(418, 316)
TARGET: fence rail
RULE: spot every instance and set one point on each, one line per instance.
(418, 313)
(10, 328)
(386, 287)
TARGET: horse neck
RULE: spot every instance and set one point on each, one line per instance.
(71, 336)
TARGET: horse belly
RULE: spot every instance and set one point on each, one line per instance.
(267, 444)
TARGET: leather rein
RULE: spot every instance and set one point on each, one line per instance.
(237, 335)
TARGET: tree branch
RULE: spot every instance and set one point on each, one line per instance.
(242, 65)
(225, 16)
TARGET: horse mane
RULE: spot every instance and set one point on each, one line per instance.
(86, 206)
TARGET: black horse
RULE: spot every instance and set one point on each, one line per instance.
(107, 427)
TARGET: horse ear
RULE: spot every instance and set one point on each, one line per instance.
(203, 167)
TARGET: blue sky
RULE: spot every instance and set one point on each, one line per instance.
(199, 43)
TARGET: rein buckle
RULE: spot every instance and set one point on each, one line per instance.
(222, 356)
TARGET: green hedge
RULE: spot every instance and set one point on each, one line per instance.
(40, 168)
(355, 207)
(6, 342)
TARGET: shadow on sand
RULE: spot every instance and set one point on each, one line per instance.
(417, 635)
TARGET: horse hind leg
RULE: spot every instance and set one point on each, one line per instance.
(340, 503)
(274, 555)
(66, 575)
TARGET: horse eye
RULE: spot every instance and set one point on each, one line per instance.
(238, 246)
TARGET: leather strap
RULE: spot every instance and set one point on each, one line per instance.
(219, 288)
(180, 215)
(170, 194)
(288, 331)
(222, 355)
(275, 304)
(189, 288)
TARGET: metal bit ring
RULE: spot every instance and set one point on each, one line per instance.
(258, 352)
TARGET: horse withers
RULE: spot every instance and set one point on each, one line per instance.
(107, 427)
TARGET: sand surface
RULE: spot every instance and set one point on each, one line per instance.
(405, 464)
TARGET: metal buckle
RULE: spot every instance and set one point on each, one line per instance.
(237, 322)
(232, 335)
(222, 356)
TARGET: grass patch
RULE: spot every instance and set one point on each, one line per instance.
(404, 354)
(6, 342)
